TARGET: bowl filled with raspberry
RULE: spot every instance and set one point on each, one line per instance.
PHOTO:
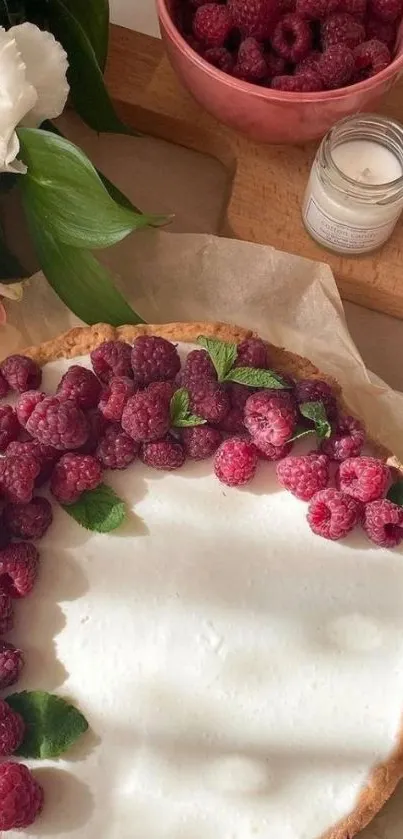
(284, 70)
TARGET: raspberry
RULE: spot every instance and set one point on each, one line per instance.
(303, 476)
(310, 63)
(371, 58)
(154, 360)
(114, 398)
(73, 475)
(198, 365)
(58, 423)
(115, 449)
(6, 612)
(251, 65)
(221, 58)
(233, 422)
(17, 477)
(29, 521)
(239, 395)
(146, 417)
(11, 664)
(12, 730)
(336, 66)
(4, 387)
(163, 454)
(252, 353)
(364, 478)
(347, 440)
(254, 18)
(26, 404)
(164, 389)
(21, 373)
(208, 400)
(332, 514)
(356, 8)
(112, 358)
(80, 385)
(315, 390)
(200, 442)
(305, 82)
(9, 426)
(292, 38)
(316, 9)
(273, 453)
(4, 532)
(388, 10)
(342, 29)
(21, 797)
(235, 462)
(270, 418)
(212, 24)
(45, 455)
(18, 569)
(381, 31)
(275, 65)
(383, 523)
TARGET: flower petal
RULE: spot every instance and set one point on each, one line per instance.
(46, 68)
(17, 98)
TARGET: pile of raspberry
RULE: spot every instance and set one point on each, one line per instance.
(293, 45)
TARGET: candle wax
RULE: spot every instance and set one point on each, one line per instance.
(367, 162)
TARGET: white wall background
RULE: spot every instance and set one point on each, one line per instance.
(135, 14)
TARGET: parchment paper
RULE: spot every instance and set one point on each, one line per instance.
(291, 301)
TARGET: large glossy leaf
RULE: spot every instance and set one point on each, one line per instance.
(65, 191)
(88, 90)
(11, 12)
(84, 285)
(93, 15)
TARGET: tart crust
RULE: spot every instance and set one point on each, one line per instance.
(81, 340)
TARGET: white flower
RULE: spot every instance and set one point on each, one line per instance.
(46, 67)
(17, 97)
(33, 86)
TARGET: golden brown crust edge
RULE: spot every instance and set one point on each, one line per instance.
(81, 340)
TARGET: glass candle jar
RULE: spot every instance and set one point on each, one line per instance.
(354, 195)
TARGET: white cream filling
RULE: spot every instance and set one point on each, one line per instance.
(241, 676)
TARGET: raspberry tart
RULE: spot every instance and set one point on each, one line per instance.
(241, 674)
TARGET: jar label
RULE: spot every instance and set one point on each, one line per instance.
(344, 237)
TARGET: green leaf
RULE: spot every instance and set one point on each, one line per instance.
(11, 269)
(88, 90)
(179, 410)
(223, 355)
(93, 16)
(99, 509)
(52, 724)
(300, 433)
(395, 493)
(12, 12)
(65, 192)
(255, 377)
(84, 285)
(316, 412)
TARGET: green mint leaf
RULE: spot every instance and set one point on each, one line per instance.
(179, 410)
(316, 412)
(99, 509)
(300, 433)
(254, 377)
(395, 493)
(52, 724)
(222, 355)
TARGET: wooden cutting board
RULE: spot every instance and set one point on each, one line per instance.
(267, 182)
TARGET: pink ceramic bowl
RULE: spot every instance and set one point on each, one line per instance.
(266, 115)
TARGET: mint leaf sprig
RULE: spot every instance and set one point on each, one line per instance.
(100, 509)
(395, 493)
(52, 724)
(316, 412)
(181, 417)
(224, 355)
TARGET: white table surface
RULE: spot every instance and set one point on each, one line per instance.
(135, 14)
